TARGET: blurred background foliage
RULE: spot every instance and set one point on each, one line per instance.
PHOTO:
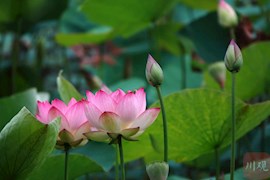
(99, 42)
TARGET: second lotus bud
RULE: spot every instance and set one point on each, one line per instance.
(233, 58)
(153, 72)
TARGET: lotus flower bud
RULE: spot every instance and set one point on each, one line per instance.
(158, 170)
(226, 15)
(153, 72)
(233, 58)
(218, 72)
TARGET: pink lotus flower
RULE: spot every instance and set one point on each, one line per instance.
(118, 114)
(226, 14)
(73, 120)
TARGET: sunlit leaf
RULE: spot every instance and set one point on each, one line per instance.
(198, 121)
(24, 144)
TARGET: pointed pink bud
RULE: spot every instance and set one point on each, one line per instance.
(233, 57)
(226, 15)
(153, 72)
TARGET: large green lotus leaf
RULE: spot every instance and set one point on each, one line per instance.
(198, 121)
(66, 89)
(255, 70)
(24, 144)
(78, 165)
(12, 104)
(127, 17)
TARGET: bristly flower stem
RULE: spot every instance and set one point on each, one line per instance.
(232, 166)
(165, 134)
(67, 147)
(122, 165)
(117, 163)
(232, 34)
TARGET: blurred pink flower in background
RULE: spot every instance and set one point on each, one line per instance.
(118, 114)
(73, 120)
(226, 15)
(94, 54)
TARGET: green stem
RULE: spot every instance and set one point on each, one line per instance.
(232, 167)
(232, 34)
(217, 163)
(165, 134)
(122, 165)
(67, 147)
(117, 163)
